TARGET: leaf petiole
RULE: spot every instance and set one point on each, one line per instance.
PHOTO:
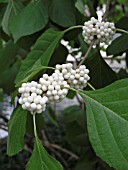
(121, 30)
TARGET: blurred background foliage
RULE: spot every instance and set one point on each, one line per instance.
(63, 133)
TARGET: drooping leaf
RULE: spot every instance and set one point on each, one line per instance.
(17, 128)
(59, 56)
(12, 10)
(100, 74)
(7, 56)
(63, 12)
(39, 56)
(41, 160)
(107, 121)
(119, 45)
(31, 19)
(8, 76)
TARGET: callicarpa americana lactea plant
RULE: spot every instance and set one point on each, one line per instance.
(44, 77)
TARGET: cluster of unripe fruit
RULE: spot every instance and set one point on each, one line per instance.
(96, 31)
(52, 89)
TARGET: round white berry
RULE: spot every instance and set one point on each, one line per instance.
(20, 101)
(49, 93)
(24, 107)
(34, 95)
(58, 66)
(33, 106)
(54, 92)
(45, 98)
(30, 99)
(51, 87)
(42, 101)
(44, 87)
(33, 89)
(27, 104)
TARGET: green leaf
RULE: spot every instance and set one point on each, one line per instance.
(39, 56)
(122, 74)
(41, 160)
(75, 113)
(76, 138)
(107, 121)
(100, 72)
(56, 59)
(2, 11)
(17, 128)
(8, 76)
(13, 8)
(62, 12)
(80, 5)
(31, 19)
(7, 56)
(92, 8)
(119, 45)
(50, 113)
(4, 1)
(122, 23)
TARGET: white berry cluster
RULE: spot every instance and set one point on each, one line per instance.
(76, 78)
(98, 31)
(31, 98)
(52, 89)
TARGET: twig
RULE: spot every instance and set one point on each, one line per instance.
(60, 157)
(65, 151)
(48, 144)
(27, 149)
(87, 53)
